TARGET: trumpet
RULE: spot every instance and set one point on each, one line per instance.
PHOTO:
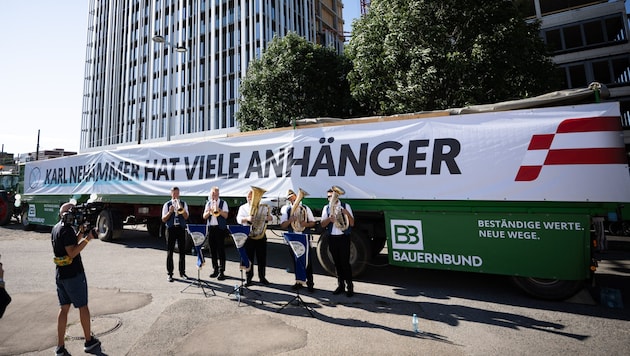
(179, 207)
(214, 208)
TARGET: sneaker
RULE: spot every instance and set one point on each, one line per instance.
(214, 274)
(248, 283)
(264, 281)
(61, 351)
(221, 276)
(349, 293)
(183, 275)
(92, 344)
(170, 278)
(311, 289)
(296, 286)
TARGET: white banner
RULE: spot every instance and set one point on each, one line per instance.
(572, 153)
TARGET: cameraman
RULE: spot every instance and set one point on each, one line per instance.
(70, 276)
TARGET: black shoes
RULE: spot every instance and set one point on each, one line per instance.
(339, 290)
(350, 290)
(214, 274)
(91, 345)
(248, 283)
(221, 276)
(264, 281)
(183, 275)
(61, 351)
(311, 289)
(296, 286)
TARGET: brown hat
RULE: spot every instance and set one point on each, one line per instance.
(290, 192)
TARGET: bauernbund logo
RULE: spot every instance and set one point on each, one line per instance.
(407, 235)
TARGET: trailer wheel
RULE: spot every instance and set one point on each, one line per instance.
(6, 210)
(359, 254)
(26, 225)
(550, 289)
(107, 226)
(153, 227)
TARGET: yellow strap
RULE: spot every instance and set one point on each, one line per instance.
(62, 261)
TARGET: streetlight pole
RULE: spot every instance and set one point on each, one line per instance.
(172, 48)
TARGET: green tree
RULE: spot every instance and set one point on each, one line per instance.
(294, 79)
(414, 55)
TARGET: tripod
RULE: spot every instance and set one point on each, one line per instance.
(200, 284)
(242, 289)
(299, 302)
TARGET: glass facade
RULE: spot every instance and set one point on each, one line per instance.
(159, 70)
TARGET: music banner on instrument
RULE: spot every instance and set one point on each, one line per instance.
(299, 246)
(239, 235)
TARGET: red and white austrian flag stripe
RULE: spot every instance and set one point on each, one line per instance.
(576, 141)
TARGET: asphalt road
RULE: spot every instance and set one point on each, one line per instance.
(137, 312)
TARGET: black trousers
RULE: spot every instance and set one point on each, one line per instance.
(175, 233)
(257, 250)
(216, 240)
(339, 246)
(309, 266)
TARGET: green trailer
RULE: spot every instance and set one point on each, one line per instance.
(522, 193)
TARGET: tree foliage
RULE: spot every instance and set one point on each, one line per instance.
(294, 79)
(414, 55)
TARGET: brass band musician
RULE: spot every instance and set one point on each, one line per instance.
(255, 248)
(288, 220)
(338, 220)
(216, 213)
(174, 215)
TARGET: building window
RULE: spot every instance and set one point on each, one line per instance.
(589, 34)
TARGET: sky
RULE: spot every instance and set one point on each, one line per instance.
(42, 68)
(41, 72)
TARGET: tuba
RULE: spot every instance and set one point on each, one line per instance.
(259, 213)
(341, 221)
(299, 212)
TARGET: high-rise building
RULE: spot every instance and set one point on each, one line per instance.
(589, 43)
(160, 70)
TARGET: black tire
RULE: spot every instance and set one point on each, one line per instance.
(6, 210)
(26, 224)
(108, 225)
(359, 254)
(549, 289)
(153, 227)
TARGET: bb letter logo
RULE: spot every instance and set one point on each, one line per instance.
(407, 235)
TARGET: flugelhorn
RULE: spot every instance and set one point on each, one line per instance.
(299, 212)
(259, 213)
(340, 219)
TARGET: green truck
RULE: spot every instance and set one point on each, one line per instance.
(522, 193)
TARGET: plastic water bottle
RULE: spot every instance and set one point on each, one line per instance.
(414, 323)
(237, 292)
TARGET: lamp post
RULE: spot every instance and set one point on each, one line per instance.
(172, 48)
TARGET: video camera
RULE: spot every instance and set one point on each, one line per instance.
(82, 214)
